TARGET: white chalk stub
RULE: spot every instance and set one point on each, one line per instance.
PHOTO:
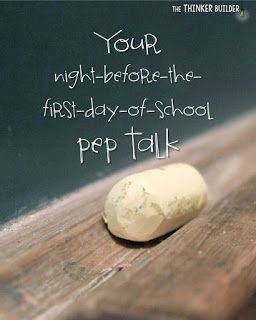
(151, 203)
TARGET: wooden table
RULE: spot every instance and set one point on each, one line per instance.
(61, 263)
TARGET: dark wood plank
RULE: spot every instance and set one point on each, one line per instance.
(206, 270)
(56, 254)
(248, 311)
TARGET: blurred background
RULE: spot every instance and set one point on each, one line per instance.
(39, 156)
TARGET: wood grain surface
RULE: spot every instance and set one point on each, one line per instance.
(60, 262)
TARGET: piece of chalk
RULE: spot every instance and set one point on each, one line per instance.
(151, 203)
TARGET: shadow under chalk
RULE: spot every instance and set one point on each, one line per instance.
(138, 245)
(104, 316)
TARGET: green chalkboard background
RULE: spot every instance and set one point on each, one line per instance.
(39, 157)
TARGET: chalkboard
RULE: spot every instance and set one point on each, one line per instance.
(40, 155)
